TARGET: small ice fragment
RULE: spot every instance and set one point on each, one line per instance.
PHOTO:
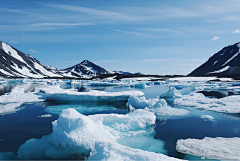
(46, 115)
(207, 117)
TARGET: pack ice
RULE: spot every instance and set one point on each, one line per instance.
(101, 137)
(10, 102)
(58, 94)
(158, 106)
(221, 148)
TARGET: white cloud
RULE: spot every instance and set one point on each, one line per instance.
(14, 41)
(237, 31)
(215, 38)
(33, 51)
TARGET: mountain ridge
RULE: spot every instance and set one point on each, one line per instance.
(14, 63)
(220, 63)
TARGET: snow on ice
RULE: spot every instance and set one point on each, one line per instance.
(158, 106)
(58, 94)
(100, 136)
(221, 148)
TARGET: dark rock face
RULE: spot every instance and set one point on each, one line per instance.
(220, 63)
(14, 63)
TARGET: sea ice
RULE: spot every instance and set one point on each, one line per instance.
(158, 106)
(174, 93)
(58, 94)
(207, 117)
(221, 148)
(230, 104)
(10, 102)
(46, 115)
(101, 136)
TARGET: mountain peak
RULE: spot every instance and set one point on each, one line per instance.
(84, 62)
(221, 62)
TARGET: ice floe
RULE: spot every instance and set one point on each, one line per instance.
(46, 115)
(10, 102)
(207, 117)
(98, 136)
(230, 104)
(158, 106)
(58, 94)
(218, 148)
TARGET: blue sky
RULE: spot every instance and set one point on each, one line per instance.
(152, 37)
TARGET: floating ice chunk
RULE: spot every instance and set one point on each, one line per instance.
(142, 102)
(10, 102)
(221, 148)
(46, 115)
(157, 106)
(207, 117)
(101, 136)
(140, 85)
(9, 108)
(188, 89)
(58, 94)
(67, 85)
(18, 95)
(171, 93)
(120, 152)
(230, 104)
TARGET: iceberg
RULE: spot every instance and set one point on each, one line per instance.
(219, 148)
(98, 137)
(57, 94)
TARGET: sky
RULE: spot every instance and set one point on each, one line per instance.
(152, 37)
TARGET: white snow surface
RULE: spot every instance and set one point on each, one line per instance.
(199, 79)
(56, 93)
(221, 70)
(207, 117)
(231, 58)
(158, 106)
(221, 148)
(10, 102)
(12, 52)
(230, 104)
(103, 136)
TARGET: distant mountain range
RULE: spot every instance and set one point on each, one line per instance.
(225, 62)
(14, 63)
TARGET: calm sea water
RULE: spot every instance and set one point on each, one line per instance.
(25, 124)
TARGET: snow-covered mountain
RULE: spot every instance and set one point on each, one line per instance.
(224, 62)
(85, 69)
(14, 63)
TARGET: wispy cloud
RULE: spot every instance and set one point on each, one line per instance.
(136, 33)
(215, 38)
(237, 31)
(96, 12)
(14, 41)
(33, 51)
(58, 24)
